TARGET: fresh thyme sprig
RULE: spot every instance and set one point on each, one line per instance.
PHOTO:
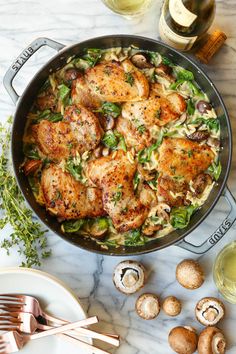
(27, 234)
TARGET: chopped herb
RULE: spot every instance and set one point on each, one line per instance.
(136, 180)
(158, 113)
(129, 78)
(215, 170)
(180, 217)
(116, 197)
(27, 234)
(141, 129)
(190, 153)
(72, 226)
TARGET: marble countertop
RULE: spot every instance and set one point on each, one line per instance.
(90, 275)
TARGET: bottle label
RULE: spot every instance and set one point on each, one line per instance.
(180, 13)
(172, 38)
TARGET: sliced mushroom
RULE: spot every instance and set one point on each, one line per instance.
(107, 122)
(199, 136)
(98, 151)
(209, 311)
(163, 69)
(71, 74)
(211, 341)
(183, 340)
(31, 166)
(147, 306)
(141, 61)
(129, 277)
(213, 142)
(172, 306)
(190, 274)
(105, 151)
(98, 227)
(149, 230)
(201, 182)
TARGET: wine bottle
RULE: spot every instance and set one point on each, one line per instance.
(184, 22)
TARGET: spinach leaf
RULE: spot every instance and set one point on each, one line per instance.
(211, 123)
(63, 93)
(190, 107)
(215, 170)
(31, 151)
(154, 58)
(186, 75)
(92, 56)
(180, 217)
(72, 226)
(48, 115)
(112, 139)
(110, 109)
(167, 61)
(74, 169)
(134, 238)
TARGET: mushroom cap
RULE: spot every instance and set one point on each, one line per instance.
(190, 274)
(183, 340)
(141, 61)
(211, 341)
(129, 276)
(147, 306)
(209, 311)
(172, 306)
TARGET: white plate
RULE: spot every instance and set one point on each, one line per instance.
(55, 297)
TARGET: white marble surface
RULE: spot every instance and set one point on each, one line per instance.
(89, 275)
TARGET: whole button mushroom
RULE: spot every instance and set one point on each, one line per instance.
(183, 340)
(209, 311)
(147, 306)
(203, 106)
(172, 306)
(211, 341)
(129, 277)
(190, 274)
(141, 61)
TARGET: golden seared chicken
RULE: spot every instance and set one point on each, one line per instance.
(82, 94)
(47, 100)
(114, 174)
(138, 118)
(67, 198)
(180, 161)
(79, 131)
(117, 82)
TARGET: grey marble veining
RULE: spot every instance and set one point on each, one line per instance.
(90, 275)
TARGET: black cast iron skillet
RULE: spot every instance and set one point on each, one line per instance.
(25, 101)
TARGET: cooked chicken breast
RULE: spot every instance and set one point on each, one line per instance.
(47, 100)
(138, 118)
(80, 132)
(182, 158)
(85, 127)
(81, 94)
(54, 139)
(67, 198)
(117, 82)
(114, 174)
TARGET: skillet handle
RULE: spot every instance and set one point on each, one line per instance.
(219, 233)
(21, 60)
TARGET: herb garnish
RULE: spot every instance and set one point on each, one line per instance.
(129, 78)
(27, 234)
(116, 197)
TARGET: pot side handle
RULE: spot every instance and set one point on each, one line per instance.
(22, 59)
(219, 233)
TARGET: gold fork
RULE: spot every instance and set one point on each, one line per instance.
(27, 323)
(12, 341)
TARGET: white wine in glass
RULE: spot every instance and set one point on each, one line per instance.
(129, 8)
